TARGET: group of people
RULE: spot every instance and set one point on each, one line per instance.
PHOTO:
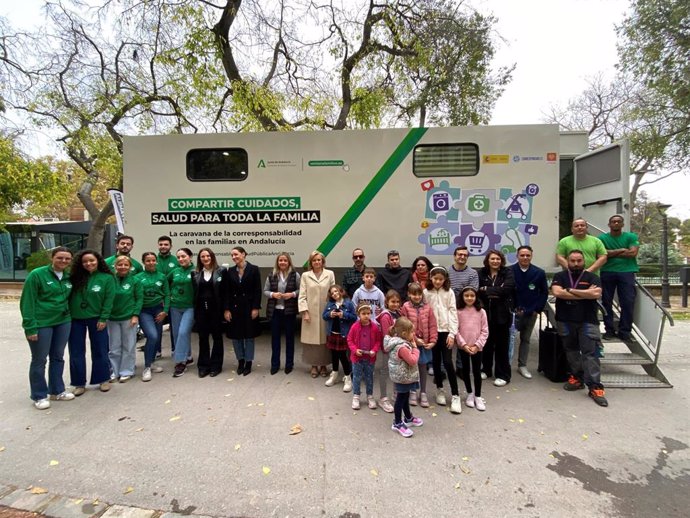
(399, 325)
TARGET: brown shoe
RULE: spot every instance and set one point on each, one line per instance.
(314, 371)
(78, 391)
(323, 371)
(105, 387)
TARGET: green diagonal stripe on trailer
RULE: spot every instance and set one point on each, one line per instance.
(372, 188)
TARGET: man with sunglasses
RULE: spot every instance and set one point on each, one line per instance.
(352, 278)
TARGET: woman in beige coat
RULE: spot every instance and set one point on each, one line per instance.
(313, 295)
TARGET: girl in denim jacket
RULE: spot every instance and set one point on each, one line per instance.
(339, 316)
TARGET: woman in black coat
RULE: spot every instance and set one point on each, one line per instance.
(208, 312)
(496, 287)
(242, 291)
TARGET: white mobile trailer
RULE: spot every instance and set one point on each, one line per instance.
(422, 191)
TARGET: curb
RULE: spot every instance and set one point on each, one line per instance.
(37, 500)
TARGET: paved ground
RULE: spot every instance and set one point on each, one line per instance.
(222, 447)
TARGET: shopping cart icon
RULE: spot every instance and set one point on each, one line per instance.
(476, 243)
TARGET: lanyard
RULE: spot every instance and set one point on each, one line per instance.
(575, 283)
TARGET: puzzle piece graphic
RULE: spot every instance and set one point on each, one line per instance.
(478, 206)
(478, 241)
(440, 201)
(439, 238)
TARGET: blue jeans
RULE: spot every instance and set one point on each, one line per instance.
(153, 332)
(100, 367)
(363, 368)
(624, 282)
(182, 321)
(580, 341)
(123, 347)
(280, 322)
(244, 348)
(49, 346)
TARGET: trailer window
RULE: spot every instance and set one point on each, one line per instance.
(445, 160)
(217, 165)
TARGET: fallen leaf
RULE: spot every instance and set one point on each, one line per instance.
(374, 413)
(297, 428)
(574, 416)
(167, 402)
(2, 448)
(521, 420)
(228, 395)
(54, 463)
(230, 379)
(465, 459)
(457, 485)
(511, 420)
(250, 404)
(128, 490)
(266, 470)
(260, 404)
(551, 455)
(374, 473)
(465, 470)
(139, 430)
(662, 451)
(585, 436)
(311, 398)
(77, 501)
(175, 418)
(498, 397)
(433, 414)
(38, 491)
(237, 446)
(96, 502)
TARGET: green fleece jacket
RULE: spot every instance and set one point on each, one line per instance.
(129, 297)
(95, 300)
(181, 287)
(45, 300)
(156, 289)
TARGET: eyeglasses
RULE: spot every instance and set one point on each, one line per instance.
(358, 257)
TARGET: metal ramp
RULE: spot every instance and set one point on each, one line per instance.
(634, 363)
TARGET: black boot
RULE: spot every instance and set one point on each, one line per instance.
(247, 368)
(240, 367)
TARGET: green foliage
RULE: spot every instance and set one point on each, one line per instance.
(655, 48)
(650, 253)
(24, 183)
(36, 259)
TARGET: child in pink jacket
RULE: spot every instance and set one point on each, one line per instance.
(473, 330)
(364, 341)
(426, 333)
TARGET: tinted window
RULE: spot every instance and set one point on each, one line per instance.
(217, 165)
(446, 160)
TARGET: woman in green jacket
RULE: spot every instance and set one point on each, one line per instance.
(154, 311)
(46, 321)
(182, 309)
(91, 303)
(124, 320)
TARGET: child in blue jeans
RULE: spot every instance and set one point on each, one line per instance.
(364, 340)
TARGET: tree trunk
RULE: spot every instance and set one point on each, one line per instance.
(95, 239)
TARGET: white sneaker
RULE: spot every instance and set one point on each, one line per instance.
(113, 378)
(455, 405)
(146, 375)
(332, 379)
(347, 383)
(479, 404)
(371, 402)
(525, 373)
(156, 368)
(470, 400)
(63, 396)
(498, 382)
(355, 402)
(413, 398)
(42, 404)
(386, 406)
(125, 379)
(484, 376)
(440, 398)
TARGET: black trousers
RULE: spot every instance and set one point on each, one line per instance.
(208, 325)
(476, 361)
(495, 352)
(441, 354)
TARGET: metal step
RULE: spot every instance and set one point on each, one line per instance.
(618, 380)
(624, 359)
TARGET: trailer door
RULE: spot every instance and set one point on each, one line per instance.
(602, 182)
